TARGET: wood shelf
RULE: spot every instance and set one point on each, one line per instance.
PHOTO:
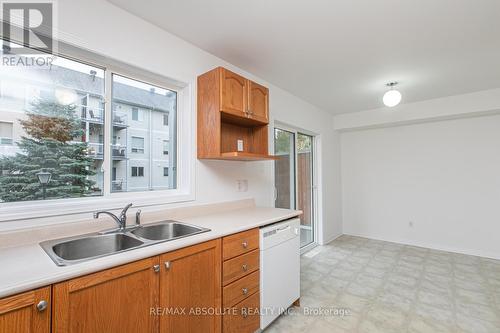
(244, 156)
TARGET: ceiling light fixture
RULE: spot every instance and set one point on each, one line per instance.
(393, 96)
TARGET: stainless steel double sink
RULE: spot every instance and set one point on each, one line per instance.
(72, 250)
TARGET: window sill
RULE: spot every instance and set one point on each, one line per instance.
(56, 208)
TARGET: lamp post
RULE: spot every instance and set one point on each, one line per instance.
(44, 179)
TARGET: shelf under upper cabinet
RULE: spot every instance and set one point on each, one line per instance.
(244, 156)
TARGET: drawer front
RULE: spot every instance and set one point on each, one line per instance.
(240, 243)
(239, 290)
(235, 268)
(244, 317)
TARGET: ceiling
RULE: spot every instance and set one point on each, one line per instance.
(338, 54)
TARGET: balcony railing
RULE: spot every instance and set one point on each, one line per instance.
(120, 119)
(92, 114)
(96, 150)
(119, 151)
(118, 185)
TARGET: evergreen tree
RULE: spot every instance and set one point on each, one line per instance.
(50, 128)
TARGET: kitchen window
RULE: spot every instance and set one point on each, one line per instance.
(111, 115)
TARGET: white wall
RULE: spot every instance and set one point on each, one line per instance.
(444, 176)
(100, 27)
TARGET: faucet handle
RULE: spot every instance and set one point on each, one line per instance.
(138, 217)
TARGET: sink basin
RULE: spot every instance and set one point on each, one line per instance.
(166, 231)
(94, 246)
(72, 250)
(85, 247)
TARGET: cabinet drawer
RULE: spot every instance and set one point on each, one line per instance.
(244, 317)
(240, 243)
(235, 268)
(241, 289)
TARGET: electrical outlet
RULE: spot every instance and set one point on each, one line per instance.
(242, 185)
(240, 145)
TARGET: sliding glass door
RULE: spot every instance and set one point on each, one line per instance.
(305, 187)
(284, 168)
(293, 174)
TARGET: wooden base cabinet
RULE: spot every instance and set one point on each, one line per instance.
(117, 300)
(28, 312)
(241, 281)
(176, 292)
(190, 287)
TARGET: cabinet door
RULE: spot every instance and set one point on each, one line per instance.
(117, 300)
(190, 282)
(233, 93)
(258, 102)
(26, 312)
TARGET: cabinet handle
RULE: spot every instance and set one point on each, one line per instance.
(244, 267)
(167, 265)
(156, 268)
(42, 305)
(244, 244)
(244, 291)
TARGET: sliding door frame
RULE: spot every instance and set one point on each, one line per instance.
(315, 173)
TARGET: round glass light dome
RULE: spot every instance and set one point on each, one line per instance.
(392, 98)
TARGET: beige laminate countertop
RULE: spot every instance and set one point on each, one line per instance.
(28, 267)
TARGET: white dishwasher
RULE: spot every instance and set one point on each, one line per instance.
(279, 268)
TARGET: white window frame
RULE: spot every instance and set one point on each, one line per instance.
(23, 214)
(138, 150)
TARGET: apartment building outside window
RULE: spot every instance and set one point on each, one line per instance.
(137, 145)
(66, 104)
(166, 146)
(6, 129)
(137, 171)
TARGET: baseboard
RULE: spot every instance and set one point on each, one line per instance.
(331, 239)
(470, 252)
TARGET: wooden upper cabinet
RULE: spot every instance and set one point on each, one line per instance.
(28, 312)
(117, 300)
(233, 117)
(243, 98)
(258, 102)
(190, 281)
(233, 93)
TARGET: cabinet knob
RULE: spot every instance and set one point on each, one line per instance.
(156, 268)
(244, 244)
(167, 265)
(244, 267)
(42, 305)
(244, 314)
(244, 291)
